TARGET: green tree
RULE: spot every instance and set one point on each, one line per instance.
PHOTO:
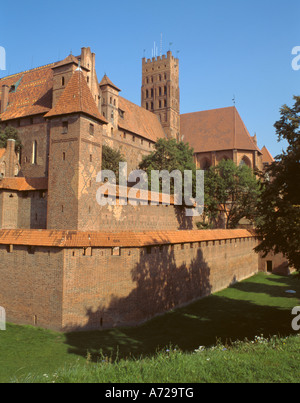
(10, 133)
(111, 159)
(280, 203)
(170, 155)
(232, 191)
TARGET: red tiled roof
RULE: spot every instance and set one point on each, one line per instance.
(216, 130)
(140, 121)
(106, 81)
(78, 239)
(32, 94)
(76, 97)
(266, 156)
(24, 184)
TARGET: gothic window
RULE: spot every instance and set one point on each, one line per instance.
(245, 161)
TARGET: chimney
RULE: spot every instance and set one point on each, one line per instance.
(11, 157)
(4, 98)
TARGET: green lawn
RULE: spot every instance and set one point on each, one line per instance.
(253, 307)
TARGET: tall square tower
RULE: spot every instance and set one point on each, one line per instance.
(160, 91)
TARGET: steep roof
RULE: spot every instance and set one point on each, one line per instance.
(24, 184)
(106, 81)
(30, 92)
(140, 121)
(79, 239)
(75, 98)
(266, 156)
(216, 130)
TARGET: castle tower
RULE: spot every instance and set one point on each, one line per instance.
(76, 128)
(160, 91)
(110, 100)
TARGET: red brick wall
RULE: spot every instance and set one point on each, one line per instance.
(102, 290)
(31, 285)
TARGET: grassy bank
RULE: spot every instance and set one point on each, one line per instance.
(263, 360)
(259, 305)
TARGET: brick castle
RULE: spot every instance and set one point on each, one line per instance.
(66, 262)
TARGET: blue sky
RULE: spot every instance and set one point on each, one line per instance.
(226, 48)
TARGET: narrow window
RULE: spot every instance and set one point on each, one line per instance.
(92, 129)
(147, 106)
(63, 81)
(35, 320)
(112, 131)
(159, 91)
(65, 127)
(147, 94)
(159, 104)
(165, 103)
(64, 156)
(34, 152)
(88, 79)
(91, 158)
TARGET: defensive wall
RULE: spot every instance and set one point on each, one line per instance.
(72, 280)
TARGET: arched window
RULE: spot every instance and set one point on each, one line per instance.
(245, 161)
(34, 152)
(205, 164)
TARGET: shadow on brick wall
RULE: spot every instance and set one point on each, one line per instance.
(162, 283)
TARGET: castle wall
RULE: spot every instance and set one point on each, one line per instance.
(131, 146)
(122, 287)
(143, 218)
(31, 285)
(23, 209)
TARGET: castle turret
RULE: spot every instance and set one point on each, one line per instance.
(75, 157)
(160, 91)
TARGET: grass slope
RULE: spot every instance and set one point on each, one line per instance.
(253, 307)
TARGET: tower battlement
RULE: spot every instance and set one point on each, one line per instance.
(160, 91)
